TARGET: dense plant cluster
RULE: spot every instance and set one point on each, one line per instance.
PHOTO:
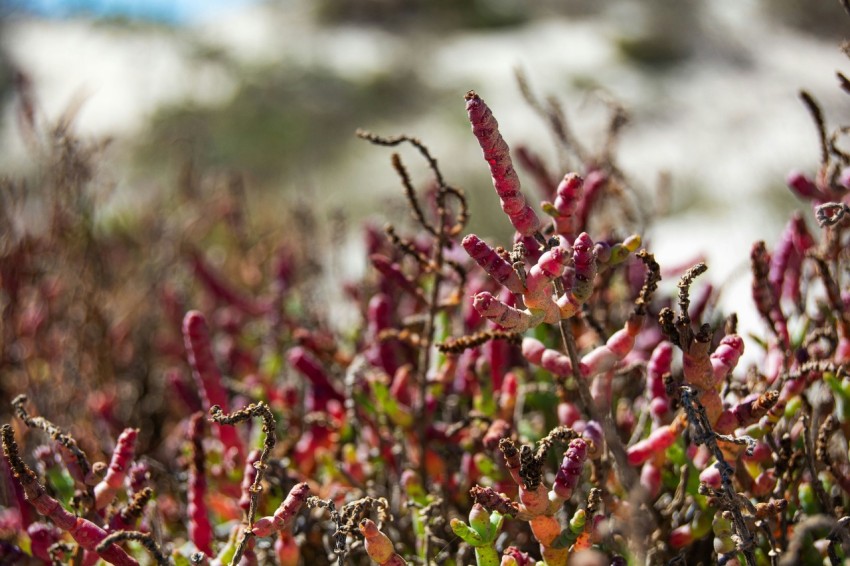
(538, 402)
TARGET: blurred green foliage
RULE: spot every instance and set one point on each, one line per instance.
(280, 117)
(437, 14)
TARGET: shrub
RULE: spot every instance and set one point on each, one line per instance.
(518, 404)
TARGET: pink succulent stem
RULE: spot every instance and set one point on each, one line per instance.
(659, 440)
(382, 353)
(725, 357)
(379, 314)
(748, 411)
(546, 529)
(220, 289)
(696, 365)
(585, 267)
(183, 389)
(660, 363)
(569, 472)
(122, 457)
(786, 262)
(547, 358)
(579, 279)
(650, 478)
(512, 556)
(605, 357)
(567, 197)
(506, 316)
(12, 491)
(805, 188)
(535, 502)
(491, 262)
(87, 534)
(306, 364)
(403, 384)
(285, 514)
(286, 549)
(538, 295)
(497, 353)
(42, 537)
(378, 546)
(508, 395)
(207, 376)
(594, 183)
(392, 271)
(533, 350)
(496, 152)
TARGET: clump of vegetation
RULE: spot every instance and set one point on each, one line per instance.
(539, 402)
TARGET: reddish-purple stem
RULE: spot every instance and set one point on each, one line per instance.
(220, 289)
(196, 335)
(87, 534)
(306, 364)
(496, 152)
(200, 529)
(122, 457)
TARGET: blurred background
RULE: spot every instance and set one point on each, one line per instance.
(272, 92)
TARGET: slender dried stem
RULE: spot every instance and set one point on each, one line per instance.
(817, 485)
(146, 539)
(66, 441)
(254, 410)
(704, 434)
(817, 116)
(458, 345)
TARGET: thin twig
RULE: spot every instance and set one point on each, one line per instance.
(425, 352)
(146, 540)
(817, 115)
(794, 552)
(391, 141)
(461, 343)
(817, 485)
(410, 192)
(704, 434)
(840, 532)
(65, 440)
(254, 410)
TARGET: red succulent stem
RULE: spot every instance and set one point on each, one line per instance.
(122, 457)
(392, 272)
(220, 289)
(207, 376)
(308, 366)
(87, 534)
(494, 264)
(285, 514)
